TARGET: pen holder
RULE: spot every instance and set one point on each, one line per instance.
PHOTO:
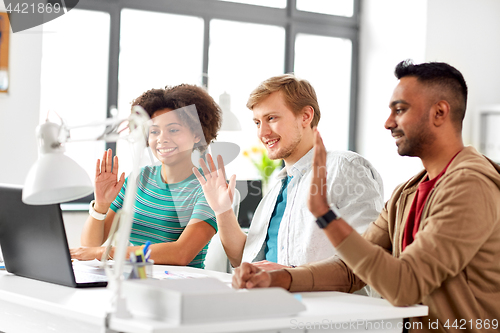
(139, 270)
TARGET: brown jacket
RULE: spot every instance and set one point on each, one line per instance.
(453, 265)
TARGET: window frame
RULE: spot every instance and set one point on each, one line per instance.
(292, 20)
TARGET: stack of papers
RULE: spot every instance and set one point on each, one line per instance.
(181, 298)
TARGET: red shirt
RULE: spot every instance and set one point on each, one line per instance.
(417, 207)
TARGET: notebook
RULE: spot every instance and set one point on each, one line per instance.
(34, 243)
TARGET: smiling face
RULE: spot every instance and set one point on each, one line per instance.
(278, 127)
(169, 139)
(409, 121)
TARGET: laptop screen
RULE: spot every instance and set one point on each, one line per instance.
(33, 239)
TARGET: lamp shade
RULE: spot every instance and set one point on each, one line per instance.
(54, 177)
(229, 120)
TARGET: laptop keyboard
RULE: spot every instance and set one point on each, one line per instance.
(87, 272)
(84, 277)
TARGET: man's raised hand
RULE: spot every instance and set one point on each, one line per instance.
(217, 192)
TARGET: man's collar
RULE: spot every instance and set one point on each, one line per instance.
(299, 168)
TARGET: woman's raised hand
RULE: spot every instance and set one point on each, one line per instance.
(218, 193)
(107, 184)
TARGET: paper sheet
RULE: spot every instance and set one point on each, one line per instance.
(177, 275)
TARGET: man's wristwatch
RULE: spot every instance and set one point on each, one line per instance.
(94, 214)
(331, 215)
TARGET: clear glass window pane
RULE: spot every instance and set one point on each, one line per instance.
(265, 3)
(330, 7)
(74, 81)
(156, 50)
(241, 56)
(328, 69)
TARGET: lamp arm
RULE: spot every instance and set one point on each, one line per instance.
(136, 137)
(111, 133)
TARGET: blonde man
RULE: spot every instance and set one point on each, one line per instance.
(282, 232)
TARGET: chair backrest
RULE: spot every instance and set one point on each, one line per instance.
(236, 202)
(216, 259)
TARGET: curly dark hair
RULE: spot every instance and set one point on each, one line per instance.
(178, 98)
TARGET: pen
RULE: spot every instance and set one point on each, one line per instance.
(140, 264)
(133, 261)
(146, 247)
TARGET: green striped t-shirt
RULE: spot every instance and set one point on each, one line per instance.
(162, 211)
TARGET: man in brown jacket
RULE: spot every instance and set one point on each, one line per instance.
(437, 240)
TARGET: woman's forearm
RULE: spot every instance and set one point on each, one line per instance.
(96, 231)
(182, 251)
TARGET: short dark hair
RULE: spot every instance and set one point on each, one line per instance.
(443, 75)
(180, 96)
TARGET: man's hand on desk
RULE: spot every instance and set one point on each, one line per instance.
(250, 276)
(87, 253)
(268, 265)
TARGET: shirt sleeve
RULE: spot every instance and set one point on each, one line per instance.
(461, 218)
(118, 202)
(356, 189)
(333, 274)
(330, 274)
(202, 210)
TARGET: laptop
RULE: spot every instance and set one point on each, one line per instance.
(34, 243)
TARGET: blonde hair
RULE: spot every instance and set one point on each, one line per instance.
(297, 93)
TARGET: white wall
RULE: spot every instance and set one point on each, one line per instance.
(463, 33)
(391, 31)
(20, 107)
(466, 34)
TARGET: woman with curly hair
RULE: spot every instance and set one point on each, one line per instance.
(170, 208)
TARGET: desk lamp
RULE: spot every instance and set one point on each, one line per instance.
(56, 178)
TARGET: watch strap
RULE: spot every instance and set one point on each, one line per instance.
(331, 215)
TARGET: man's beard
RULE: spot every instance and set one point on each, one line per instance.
(285, 152)
(415, 146)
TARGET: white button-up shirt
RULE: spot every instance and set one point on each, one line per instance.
(353, 186)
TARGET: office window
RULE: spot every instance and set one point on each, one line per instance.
(241, 56)
(326, 63)
(156, 50)
(228, 46)
(335, 7)
(74, 80)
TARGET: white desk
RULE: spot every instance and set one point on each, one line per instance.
(33, 306)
